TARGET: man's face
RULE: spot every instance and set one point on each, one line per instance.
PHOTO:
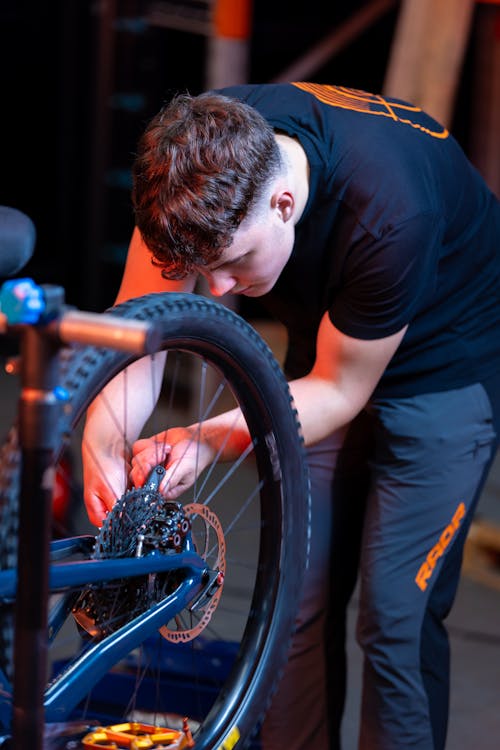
(253, 262)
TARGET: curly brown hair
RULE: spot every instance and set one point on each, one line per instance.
(203, 163)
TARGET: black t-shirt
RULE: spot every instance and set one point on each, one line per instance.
(399, 228)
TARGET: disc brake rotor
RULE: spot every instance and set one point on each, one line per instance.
(209, 540)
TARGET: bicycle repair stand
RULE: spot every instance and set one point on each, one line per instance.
(39, 317)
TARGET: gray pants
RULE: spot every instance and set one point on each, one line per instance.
(393, 498)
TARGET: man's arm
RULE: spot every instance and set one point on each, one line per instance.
(140, 276)
(341, 382)
(344, 376)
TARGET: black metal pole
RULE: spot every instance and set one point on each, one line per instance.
(38, 423)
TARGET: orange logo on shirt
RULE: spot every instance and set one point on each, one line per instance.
(427, 568)
(372, 104)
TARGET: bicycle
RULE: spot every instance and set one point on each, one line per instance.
(203, 591)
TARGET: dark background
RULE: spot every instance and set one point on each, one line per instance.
(79, 81)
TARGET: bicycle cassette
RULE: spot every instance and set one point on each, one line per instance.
(142, 521)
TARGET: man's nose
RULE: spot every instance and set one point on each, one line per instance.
(221, 284)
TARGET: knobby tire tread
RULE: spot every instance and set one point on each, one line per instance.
(198, 324)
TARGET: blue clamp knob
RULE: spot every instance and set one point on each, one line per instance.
(22, 301)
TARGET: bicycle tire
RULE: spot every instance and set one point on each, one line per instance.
(223, 340)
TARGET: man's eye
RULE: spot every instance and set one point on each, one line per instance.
(229, 264)
(240, 259)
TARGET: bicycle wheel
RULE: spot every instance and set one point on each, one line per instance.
(220, 673)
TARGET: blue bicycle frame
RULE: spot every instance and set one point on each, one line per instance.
(68, 688)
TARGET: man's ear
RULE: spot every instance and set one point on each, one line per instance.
(283, 202)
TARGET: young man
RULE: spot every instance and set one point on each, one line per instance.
(361, 225)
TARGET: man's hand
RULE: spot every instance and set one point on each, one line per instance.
(105, 479)
(108, 475)
(183, 453)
